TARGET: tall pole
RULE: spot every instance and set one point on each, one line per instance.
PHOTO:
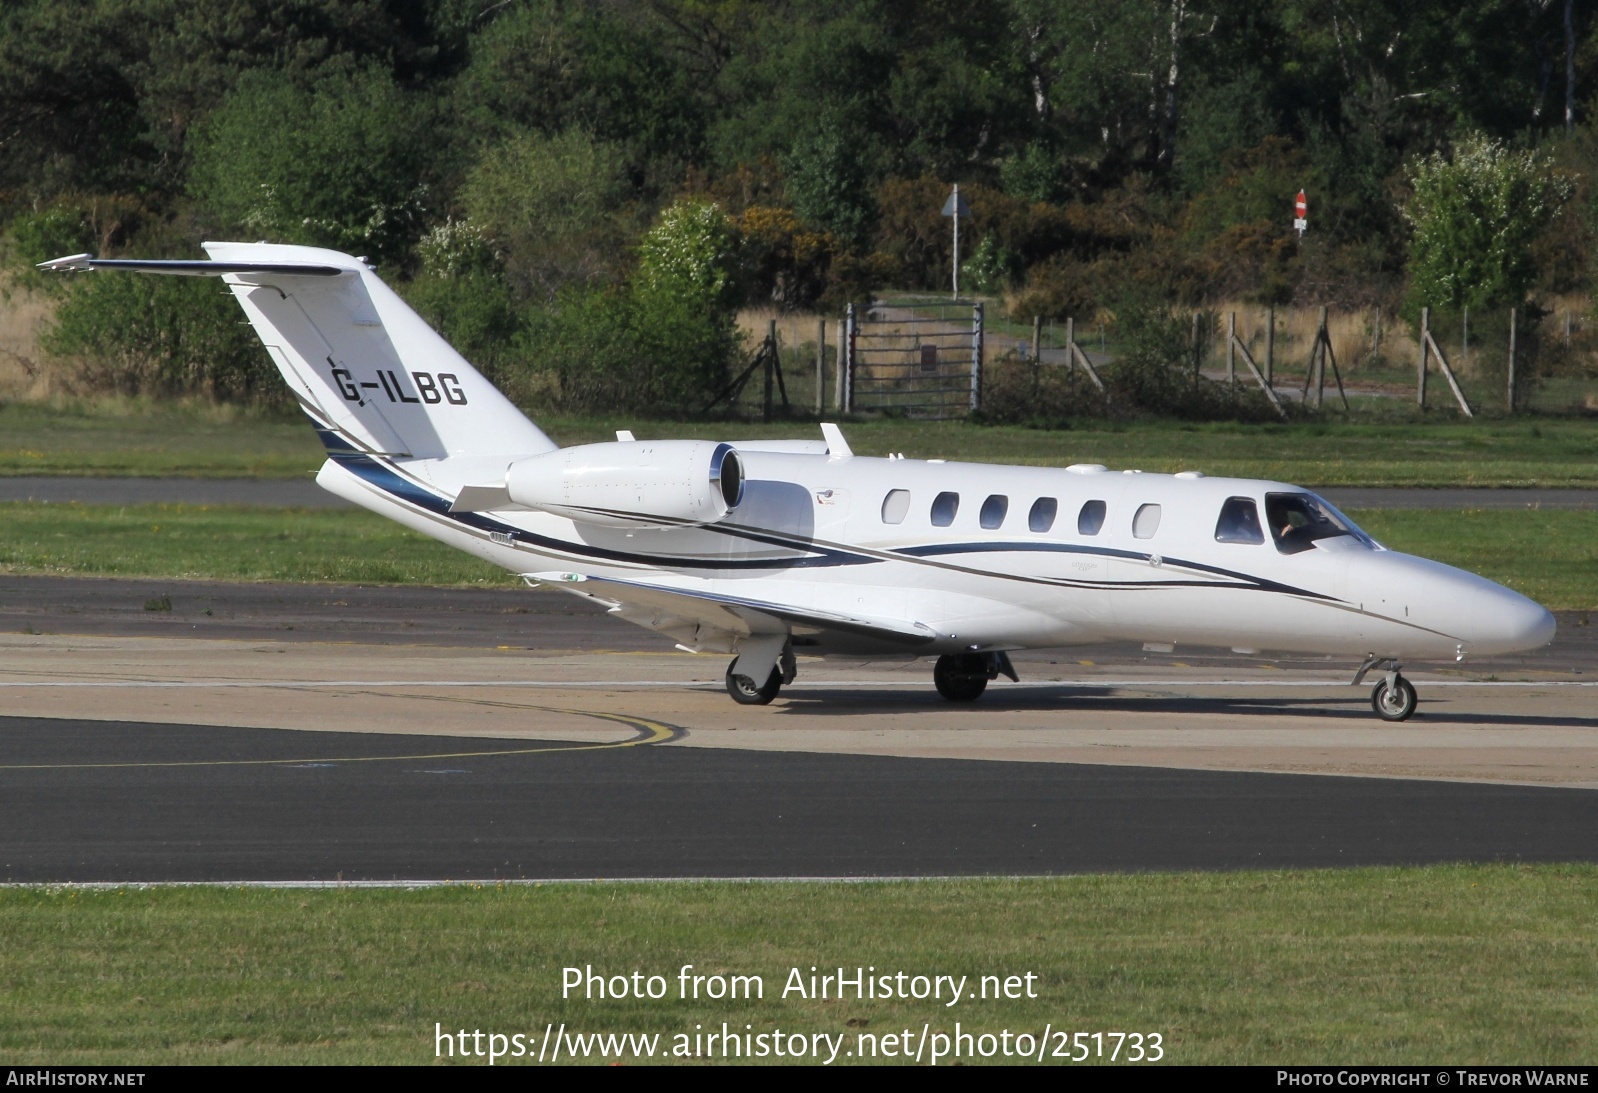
(771, 354)
(838, 368)
(821, 365)
(1510, 399)
(956, 241)
(1037, 339)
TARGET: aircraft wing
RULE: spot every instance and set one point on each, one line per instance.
(674, 611)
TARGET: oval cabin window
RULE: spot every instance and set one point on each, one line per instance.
(944, 506)
(993, 510)
(1091, 519)
(1146, 522)
(1041, 518)
(895, 506)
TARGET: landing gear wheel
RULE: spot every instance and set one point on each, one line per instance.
(1394, 703)
(961, 678)
(745, 693)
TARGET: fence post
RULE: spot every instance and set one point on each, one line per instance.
(1037, 338)
(770, 353)
(1425, 338)
(1198, 350)
(1510, 394)
(976, 357)
(1376, 336)
(847, 372)
(1231, 339)
(1070, 342)
(821, 365)
(1270, 346)
(1323, 342)
(1464, 340)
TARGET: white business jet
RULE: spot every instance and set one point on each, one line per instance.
(759, 549)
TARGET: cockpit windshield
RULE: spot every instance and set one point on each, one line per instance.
(1298, 520)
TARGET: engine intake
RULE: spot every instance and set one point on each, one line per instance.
(637, 483)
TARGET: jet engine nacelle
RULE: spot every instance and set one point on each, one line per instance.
(636, 483)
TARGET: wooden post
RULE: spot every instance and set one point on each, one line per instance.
(1464, 339)
(1270, 346)
(1376, 336)
(1198, 349)
(1231, 340)
(1270, 395)
(1322, 344)
(1510, 394)
(1037, 338)
(1425, 340)
(1070, 342)
(771, 353)
(1567, 328)
(1448, 374)
(821, 365)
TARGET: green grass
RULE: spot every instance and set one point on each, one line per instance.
(148, 439)
(230, 543)
(1448, 964)
(143, 438)
(1550, 555)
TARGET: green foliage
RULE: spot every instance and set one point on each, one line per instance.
(989, 268)
(1475, 218)
(827, 181)
(554, 206)
(342, 165)
(160, 335)
(683, 296)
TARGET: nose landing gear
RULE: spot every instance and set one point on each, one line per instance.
(1393, 698)
(964, 677)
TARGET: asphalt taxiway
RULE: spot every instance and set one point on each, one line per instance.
(296, 732)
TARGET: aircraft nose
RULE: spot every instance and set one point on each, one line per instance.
(1517, 624)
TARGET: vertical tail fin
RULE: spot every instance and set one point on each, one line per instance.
(362, 362)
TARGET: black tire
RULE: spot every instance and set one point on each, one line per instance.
(745, 693)
(1394, 705)
(961, 678)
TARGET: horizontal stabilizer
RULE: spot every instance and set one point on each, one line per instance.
(182, 268)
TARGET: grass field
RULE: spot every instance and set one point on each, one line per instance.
(1549, 555)
(1447, 964)
(137, 439)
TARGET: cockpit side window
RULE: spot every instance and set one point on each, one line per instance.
(1239, 522)
(1090, 520)
(944, 506)
(1299, 520)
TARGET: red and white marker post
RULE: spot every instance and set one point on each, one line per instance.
(1300, 208)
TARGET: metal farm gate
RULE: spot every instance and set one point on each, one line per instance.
(921, 359)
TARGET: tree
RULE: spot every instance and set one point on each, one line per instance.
(683, 294)
(345, 165)
(1475, 218)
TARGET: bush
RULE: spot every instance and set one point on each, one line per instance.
(1476, 219)
(155, 335)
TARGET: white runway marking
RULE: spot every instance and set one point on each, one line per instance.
(634, 684)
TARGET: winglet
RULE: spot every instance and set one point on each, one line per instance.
(837, 446)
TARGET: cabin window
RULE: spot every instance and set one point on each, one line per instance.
(1146, 522)
(993, 510)
(1041, 518)
(1091, 519)
(1239, 522)
(895, 506)
(944, 506)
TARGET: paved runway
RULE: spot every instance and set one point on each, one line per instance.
(305, 493)
(109, 801)
(300, 732)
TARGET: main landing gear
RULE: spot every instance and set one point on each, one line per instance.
(1393, 698)
(746, 692)
(964, 676)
